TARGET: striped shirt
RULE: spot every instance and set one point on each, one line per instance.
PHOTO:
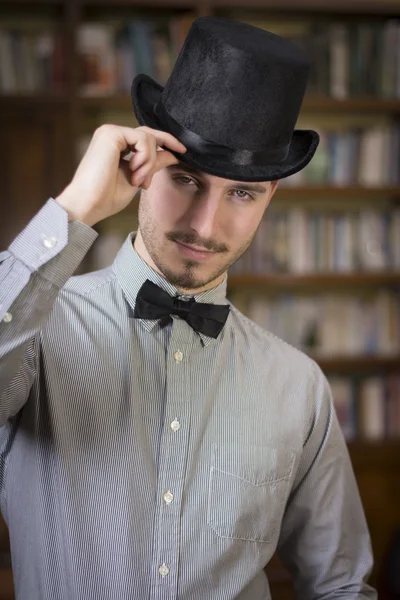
(142, 460)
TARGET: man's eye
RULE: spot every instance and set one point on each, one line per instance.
(185, 179)
(243, 195)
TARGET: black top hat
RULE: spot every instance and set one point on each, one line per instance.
(232, 99)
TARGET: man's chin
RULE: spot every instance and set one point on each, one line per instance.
(188, 277)
(184, 280)
(188, 274)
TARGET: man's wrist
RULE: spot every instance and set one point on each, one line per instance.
(67, 201)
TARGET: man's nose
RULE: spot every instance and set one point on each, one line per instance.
(205, 213)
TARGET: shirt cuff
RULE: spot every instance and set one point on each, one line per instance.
(39, 246)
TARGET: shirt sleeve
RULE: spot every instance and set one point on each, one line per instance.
(324, 541)
(32, 271)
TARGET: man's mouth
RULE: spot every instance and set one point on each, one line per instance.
(195, 252)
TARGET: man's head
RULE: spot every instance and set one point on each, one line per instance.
(185, 207)
(236, 117)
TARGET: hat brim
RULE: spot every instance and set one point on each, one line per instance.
(146, 92)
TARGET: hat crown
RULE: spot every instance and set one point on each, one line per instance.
(237, 85)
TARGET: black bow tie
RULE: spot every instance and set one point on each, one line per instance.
(153, 303)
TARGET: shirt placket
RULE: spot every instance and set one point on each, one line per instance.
(172, 462)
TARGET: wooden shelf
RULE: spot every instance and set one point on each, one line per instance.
(314, 103)
(27, 101)
(351, 364)
(384, 7)
(124, 102)
(364, 104)
(112, 102)
(32, 2)
(286, 281)
(166, 4)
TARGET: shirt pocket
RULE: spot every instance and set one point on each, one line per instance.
(248, 490)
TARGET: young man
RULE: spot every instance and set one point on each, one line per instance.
(155, 443)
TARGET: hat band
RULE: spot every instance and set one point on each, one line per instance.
(198, 144)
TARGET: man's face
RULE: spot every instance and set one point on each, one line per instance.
(194, 226)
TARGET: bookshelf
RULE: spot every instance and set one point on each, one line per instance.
(48, 125)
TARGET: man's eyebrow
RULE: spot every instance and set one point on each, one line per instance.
(246, 187)
(182, 167)
(249, 187)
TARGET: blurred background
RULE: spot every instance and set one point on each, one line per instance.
(323, 272)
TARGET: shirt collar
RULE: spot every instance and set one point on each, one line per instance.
(132, 271)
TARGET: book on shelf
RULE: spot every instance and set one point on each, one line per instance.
(371, 409)
(97, 61)
(368, 408)
(344, 394)
(32, 61)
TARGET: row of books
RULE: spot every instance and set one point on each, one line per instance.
(32, 61)
(348, 58)
(367, 157)
(299, 241)
(367, 408)
(355, 59)
(110, 55)
(328, 325)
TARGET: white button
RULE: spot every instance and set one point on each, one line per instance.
(49, 242)
(163, 570)
(175, 425)
(178, 356)
(7, 317)
(168, 497)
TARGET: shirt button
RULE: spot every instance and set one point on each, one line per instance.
(163, 570)
(168, 497)
(7, 317)
(49, 242)
(175, 425)
(178, 356)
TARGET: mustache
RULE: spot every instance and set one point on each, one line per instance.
(193, 240)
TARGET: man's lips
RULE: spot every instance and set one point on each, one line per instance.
(197, 248)
(194, 251)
